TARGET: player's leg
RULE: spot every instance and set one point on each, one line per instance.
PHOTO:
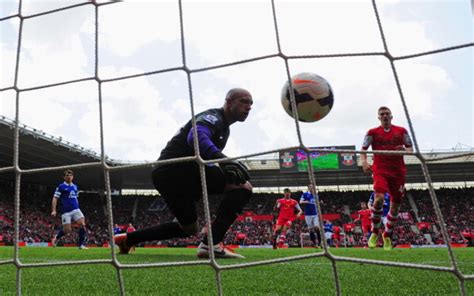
(185, 210)
(314, 231)
(317, 230)
(65, 229)
(396, 195)
(79, 219)
(66, 220)
(169, 181)
(231, 205)
(312, 236)
(282, 237)
(54, 239)
(59, 235)
(377, 212)
(366, 231)
(276, 233)
(235, 198)
(328, 236)
(337, 240)
(184, 225)
(380, 187)
(309, 222)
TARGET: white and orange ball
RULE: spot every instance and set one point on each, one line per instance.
(313, 96)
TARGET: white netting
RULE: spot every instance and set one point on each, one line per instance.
(454, 269)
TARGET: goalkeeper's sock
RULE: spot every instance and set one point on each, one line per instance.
(230, 206)
(157, 232)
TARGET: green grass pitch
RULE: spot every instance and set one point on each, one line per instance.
(301, 277)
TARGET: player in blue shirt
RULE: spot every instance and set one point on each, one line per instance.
(386, 205)
(385, 209)
(308, 202)
(328, 231)
(117, 229)
(67, 193)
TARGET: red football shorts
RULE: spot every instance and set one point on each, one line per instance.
(395, 185)
(284, 222)
(336, 236)
(366, 228)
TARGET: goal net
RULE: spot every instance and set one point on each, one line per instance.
(267, 49)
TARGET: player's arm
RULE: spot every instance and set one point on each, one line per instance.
(276, 210)
(277, 206)
(235, 171)
(53, 206)
(297, 206)
(316, 197)
(204, 134)
(363, 157)
(407, 143)
(330, 227)
(303, 201)
(404, 148)
(358, 218)
(54, 202)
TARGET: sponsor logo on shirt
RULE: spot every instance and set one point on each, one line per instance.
(210, 118)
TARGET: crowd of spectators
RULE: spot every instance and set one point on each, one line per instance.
(418, 223)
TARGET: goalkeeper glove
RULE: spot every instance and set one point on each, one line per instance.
(235, 172)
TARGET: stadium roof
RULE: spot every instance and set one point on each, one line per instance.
(39, 150)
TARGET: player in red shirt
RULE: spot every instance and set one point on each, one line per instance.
(364, 218)
(286, 207)
(348, 231)
(130, 228)
(336, 236)
(388, 172)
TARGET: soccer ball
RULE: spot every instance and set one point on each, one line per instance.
(313, 96)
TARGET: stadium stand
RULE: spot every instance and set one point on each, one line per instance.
(418, 224)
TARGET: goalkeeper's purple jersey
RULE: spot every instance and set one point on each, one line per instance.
(67, 195)
(212, 123)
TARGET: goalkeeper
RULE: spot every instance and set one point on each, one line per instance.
(180, 183)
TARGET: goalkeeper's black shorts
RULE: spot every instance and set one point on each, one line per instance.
(180, 186)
